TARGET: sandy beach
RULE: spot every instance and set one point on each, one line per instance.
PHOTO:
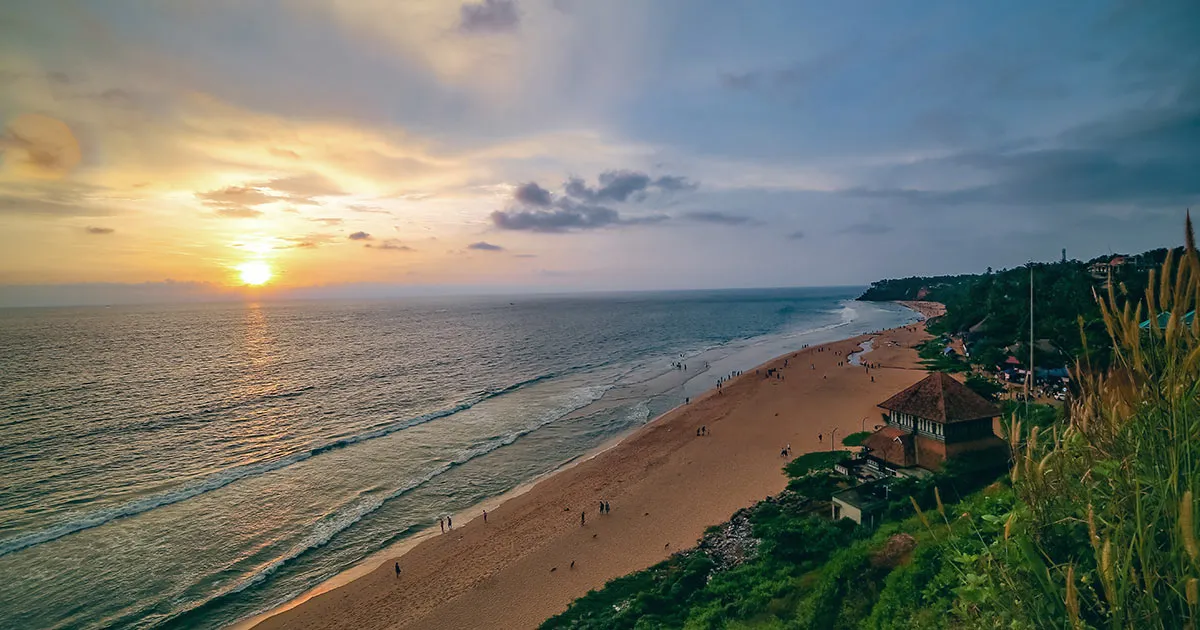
(665, 485)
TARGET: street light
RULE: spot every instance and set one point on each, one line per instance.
(833, 438)
(863, 425)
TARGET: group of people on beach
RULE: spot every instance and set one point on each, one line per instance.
(786, 451)
(703, 430)
(605, 508)
(447, 523)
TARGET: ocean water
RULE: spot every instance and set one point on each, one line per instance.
(189, 466)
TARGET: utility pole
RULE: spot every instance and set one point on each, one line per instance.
(1029, 376)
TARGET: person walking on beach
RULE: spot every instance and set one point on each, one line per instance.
(397, 569)
(582, 519)
(485, 517)
(449, 523)
(442, 524)
(820, 437)
(607, 507)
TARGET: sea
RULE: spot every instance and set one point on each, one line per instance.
(190, 466)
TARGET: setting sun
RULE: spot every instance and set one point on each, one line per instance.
(254, 273)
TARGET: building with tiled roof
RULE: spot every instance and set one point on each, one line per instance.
(936, 419)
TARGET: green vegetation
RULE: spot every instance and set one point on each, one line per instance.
(1103, 532)
(1094, 526)
(934, 359)
(855, 439)
(984, 386)
(1031, 414)
(991, 310)
(802, 464)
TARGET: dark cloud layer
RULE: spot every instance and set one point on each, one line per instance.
(621, 186)
(489, 16)
(484, 246)
(571, 216)
(582, 207)
(720, 218)
(532, 195)
(360, 236)
(1150, 156)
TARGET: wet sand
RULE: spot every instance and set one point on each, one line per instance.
(664, 483)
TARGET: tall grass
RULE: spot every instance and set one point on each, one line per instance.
(1104, 534)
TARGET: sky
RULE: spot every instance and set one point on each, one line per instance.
(159, 150)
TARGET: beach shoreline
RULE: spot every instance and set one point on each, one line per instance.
(346, 600)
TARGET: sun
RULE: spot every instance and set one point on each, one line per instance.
(254, 273)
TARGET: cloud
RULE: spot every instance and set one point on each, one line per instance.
(532, 195)
(329, 221)
(239, 201)
(59, 206)
(367, 209)
(866, 228)
(98, 230)
(301, 188)
(1144, 156)
(801, 74)
(673, 182)
(720, 218)
(235, 201)
(237, 212)
(39, 146)
(489, 16)
(485, 247)
(524, 255)
(797, 235)
(582, 207)
(621, 185)
(360, 236)
(390, 244)
(568, 216)
(308, 241)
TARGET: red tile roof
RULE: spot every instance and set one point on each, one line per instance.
(941, 398)
(881, 444)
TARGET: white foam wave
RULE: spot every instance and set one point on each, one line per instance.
(226, 477)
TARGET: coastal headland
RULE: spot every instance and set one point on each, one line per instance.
(665, 485)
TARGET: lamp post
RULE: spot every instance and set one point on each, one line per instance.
(833, 438)
(863, 425)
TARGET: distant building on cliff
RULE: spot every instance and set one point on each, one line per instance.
(935, 420)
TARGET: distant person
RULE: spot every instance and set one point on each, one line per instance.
(601, 507)
(485, 517)
(442, 524)
(582, 519)
(820, 437)
(607, 507)
(397, 569)
(449, 523)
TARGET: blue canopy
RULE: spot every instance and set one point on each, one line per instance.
(1164, 317)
